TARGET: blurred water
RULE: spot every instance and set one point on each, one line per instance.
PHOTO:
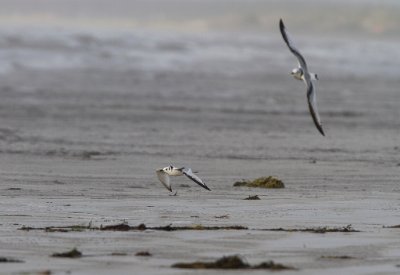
(226, 54)
(353, 17)
(357, 38)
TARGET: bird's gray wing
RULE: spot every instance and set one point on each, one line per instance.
(312, 104)
(189, 173)
(292, 48)
(164, 179)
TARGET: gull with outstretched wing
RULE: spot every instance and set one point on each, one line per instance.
(302, 73)
(164, 174)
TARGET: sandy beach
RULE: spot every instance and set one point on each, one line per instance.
(87, 115)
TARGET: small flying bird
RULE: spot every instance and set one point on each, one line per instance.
(165, 173)
(302, 73)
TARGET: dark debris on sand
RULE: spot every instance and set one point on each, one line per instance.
(143, 254)
(232, 262)
(14, 189)
(69, 228)
(252, 198)
(142, 227)
(324, 229)
(226, 216)
(74, 253)
(9, 260)
(126, 227)
(118, 227)
(263, 182)
(198, 227)
(343, 257)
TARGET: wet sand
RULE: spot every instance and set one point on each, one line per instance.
(80, 142)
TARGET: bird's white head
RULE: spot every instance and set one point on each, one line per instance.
(297, 73)
(168, 168)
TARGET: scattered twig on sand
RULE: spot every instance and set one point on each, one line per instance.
(344, 257)
(226, 216)
(9, 260)
(126, 227)
(324, 229)
(78, 228)
(141, 227)
(232, 262)
(74, 253)
(198, 227)
(251, 198)
(68, 228)
(263, 182)
(143, 254)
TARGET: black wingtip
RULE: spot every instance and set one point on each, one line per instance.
(321, 130)
(204, 186)
(283, 31)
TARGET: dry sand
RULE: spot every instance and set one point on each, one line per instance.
(84, 124)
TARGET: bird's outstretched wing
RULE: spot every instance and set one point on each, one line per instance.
(164, 179)
(189, 173)
(292, 48)
(311, 96)
(312, 105)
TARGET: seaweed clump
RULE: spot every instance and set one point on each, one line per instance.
(226, 216)
(344, 257)
(143, 254)
(74, 253)
(9, 260)
(127, 227)
(231, 262)
(263, 182)
(116, 227)
(69, 228)
(251, 198)
(198, 227)
(321, 230)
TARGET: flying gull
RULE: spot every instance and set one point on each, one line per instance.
(165, 173)
(302, 73)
